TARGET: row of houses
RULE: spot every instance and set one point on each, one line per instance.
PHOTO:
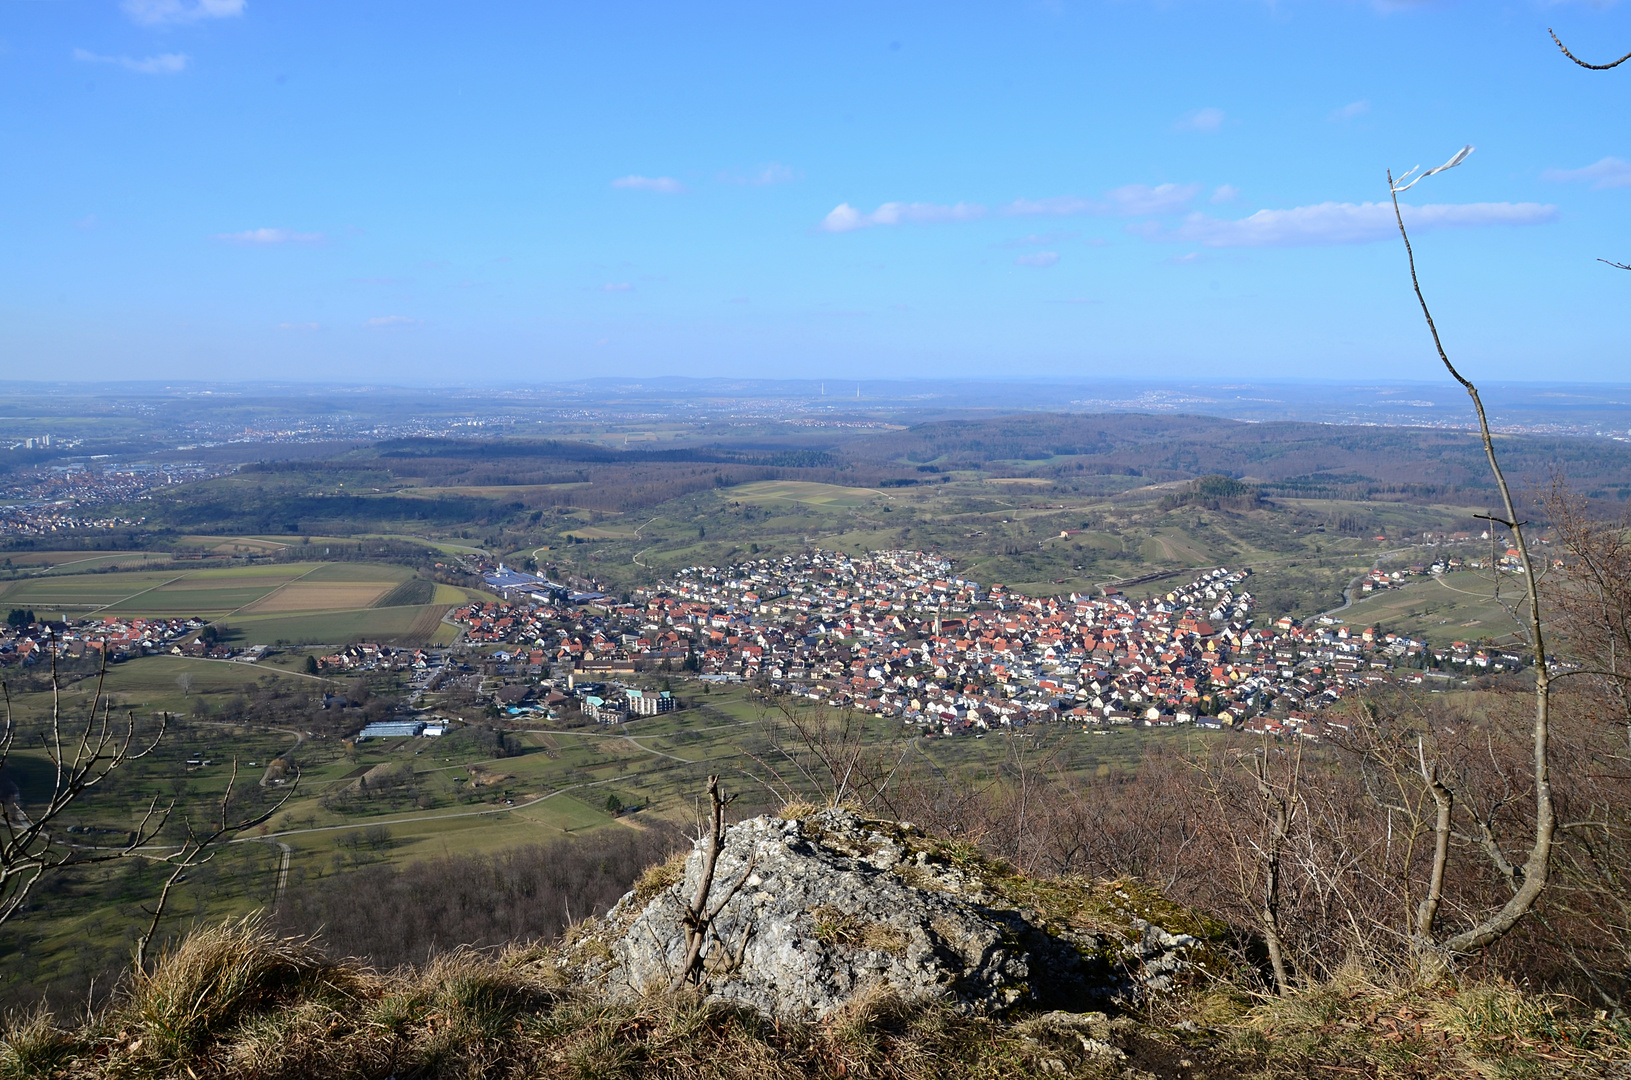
(120, 638)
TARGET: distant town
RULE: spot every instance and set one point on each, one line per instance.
(899, 634)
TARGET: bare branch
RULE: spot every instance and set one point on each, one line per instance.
(193, 853)
(1582, 63)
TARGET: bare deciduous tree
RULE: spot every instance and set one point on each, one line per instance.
(825, 751)
(1529, 878)
(81, 755)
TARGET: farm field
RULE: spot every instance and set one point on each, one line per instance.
(76, 594)
(269, 603)
(236, 545)
(408, 625)
(804, 492)
(508, 492)
(41, 562)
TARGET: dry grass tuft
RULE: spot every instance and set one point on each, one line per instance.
(32, 1045)
(659, 876)
(198, 991)
(798, 810)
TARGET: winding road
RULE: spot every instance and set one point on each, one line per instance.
(1348, 593)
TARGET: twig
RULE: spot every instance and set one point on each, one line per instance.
(1582, 63)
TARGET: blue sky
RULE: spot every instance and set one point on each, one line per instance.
(510, 192)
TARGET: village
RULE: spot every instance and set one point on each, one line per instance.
(898, 634)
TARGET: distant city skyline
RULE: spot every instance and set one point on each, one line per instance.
(516, 194)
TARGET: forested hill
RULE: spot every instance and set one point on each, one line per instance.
(1287, 458)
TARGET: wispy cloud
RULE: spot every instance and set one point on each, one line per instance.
(153, 12)
(270, 236)
(387, 322)
(617, 286)
(663, 185)
(163, 64)
(1206, 121)
(1611, 172)
(1038, 239)
(1349, 111)
(1129, 200)
(765, 175)
(1041, 260)
(1225, 193)
(845, 218)
(1344, 223)
(298, 326)
(1057, 205)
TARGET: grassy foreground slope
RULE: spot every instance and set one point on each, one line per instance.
(237, 1000)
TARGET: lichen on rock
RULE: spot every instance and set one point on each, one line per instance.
(825, 908)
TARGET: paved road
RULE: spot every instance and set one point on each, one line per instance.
(1348, 593)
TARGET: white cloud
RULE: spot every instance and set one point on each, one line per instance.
(617, 286)
(1207, 120)
(1345, 223)
(1350, 110)
(385, 322)
(1139, 200)
(845, 218)
(163, 64)
(1129, 200)
(1040, 259)
(152, 12)
(772, 173)
(270, 236)
(1225, 193)
(664, 185)
(1611, 172)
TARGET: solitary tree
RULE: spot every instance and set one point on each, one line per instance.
(1527, 879)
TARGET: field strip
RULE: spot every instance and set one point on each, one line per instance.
(428, 817)
(253, 667)
(143, 592)
(44, 570)
(274, 592)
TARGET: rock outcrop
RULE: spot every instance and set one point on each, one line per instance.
(822, 909)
